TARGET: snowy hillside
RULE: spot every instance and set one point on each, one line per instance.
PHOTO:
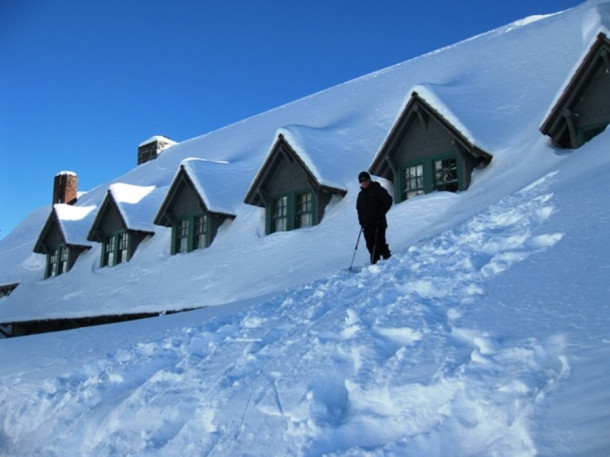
(485, 334)
(490, 338)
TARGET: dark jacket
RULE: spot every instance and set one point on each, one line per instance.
(372, 205)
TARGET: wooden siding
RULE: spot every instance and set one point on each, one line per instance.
(288, 176)
(422, 135)
(593, 107)
(53, 237)
(111, 220)
(184, 201)
(421, 140)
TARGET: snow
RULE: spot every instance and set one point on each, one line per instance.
(74, 221)
(209, 178)
(167, 141)
(428, 94)
(66, 173)
(137, 204)
(485, 334)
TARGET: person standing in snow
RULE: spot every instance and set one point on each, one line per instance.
(372, 205)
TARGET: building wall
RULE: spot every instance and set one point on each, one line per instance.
(422, 141)
(288, 176)
(53, 238)
(594, 106)
(185, 201)
(112, 221)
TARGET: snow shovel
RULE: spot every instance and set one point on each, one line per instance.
(351, 268)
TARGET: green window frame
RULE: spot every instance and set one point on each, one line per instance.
(446, 174)
(190, 232)
(291, 211)
(413, 181)
(441, 172)
(181, 242)
(64, 260)
(58, 261)
(115, 248)
(279, 221)
(304, 210)
(201, 231)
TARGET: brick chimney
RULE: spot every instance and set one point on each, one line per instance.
(65, 187)
(151, 148)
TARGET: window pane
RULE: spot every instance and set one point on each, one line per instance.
(63, 266)
(280, 214)
(123, 247)
(304, 210)
(200, 231)
(182, 236)
(445, 175)
(53, 263)
(413, 179)
(109, 251)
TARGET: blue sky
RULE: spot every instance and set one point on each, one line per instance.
(83, 82)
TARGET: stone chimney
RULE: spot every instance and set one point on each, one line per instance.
(65, 187)
(151, 148)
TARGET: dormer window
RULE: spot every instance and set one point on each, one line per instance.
(115, 248)
(304, 210)
(412, 181)
(190, 206)
(425, 153)
(57, 261)
(292, 211)
(191, 232)
(280, 214)
(62, 237)
(291, 194)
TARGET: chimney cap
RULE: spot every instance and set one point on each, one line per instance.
(157, 138)
(64, 173)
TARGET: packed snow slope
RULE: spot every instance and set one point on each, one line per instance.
(497, 88)
(487, 339)
(485, 334)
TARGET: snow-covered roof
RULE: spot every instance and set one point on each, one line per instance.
(323, 155)
(74, 222)
(137, 205)
(495, 87)
(210, 179)
(306, 143)
(564, 90)
(423, 95)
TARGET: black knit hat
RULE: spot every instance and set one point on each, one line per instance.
(364, 175)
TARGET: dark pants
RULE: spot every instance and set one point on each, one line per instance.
(376, 242)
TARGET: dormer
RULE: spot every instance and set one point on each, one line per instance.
(63, 237)
(426, 152)
(151, 148)
(291, 193)
(196, 204)
(582, 111)
(123, 222)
